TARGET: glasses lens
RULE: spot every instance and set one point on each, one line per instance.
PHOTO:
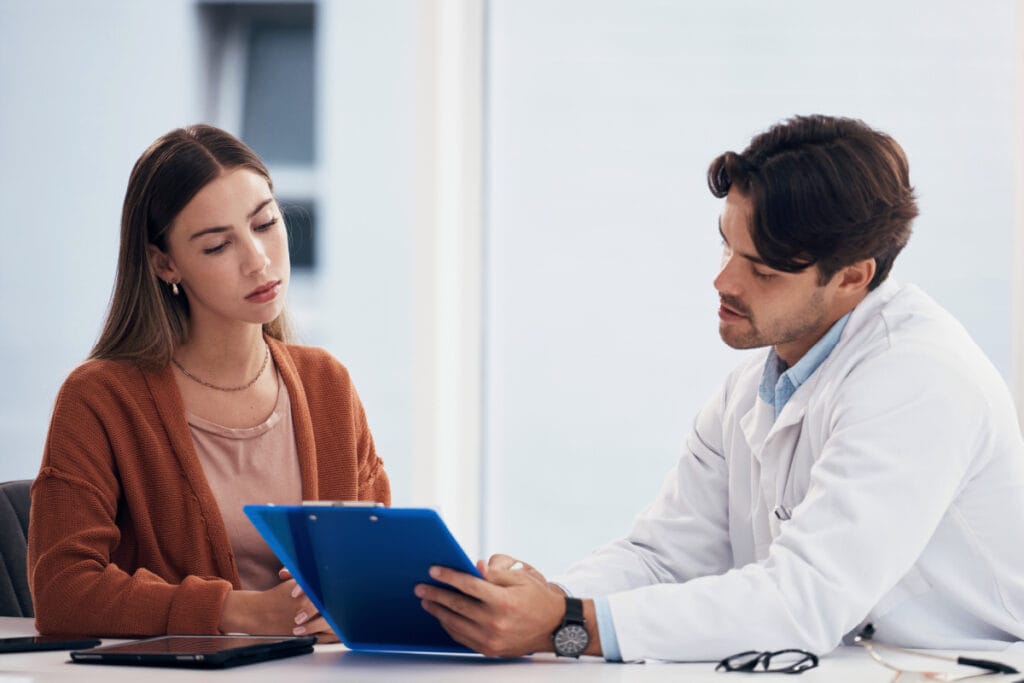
(744, 661)
(791, 661)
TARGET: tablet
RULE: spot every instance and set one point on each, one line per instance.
(37, 643)
(359, 566)
(204, 652)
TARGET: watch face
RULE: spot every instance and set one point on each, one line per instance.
(571, 640)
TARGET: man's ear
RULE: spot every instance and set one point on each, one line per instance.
(855, 278)
(163, 264)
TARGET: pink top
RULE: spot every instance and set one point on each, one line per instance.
(251, 465)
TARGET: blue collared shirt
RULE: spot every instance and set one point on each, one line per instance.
(778, 384)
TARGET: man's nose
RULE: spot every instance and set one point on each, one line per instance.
(727, 282)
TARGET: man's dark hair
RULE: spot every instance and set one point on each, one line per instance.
(825, 191)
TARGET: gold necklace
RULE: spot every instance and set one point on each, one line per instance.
(266, 361)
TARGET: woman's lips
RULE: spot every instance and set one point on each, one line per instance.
(267, 292)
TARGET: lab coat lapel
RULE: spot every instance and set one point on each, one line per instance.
(780, 461)
(756, 425)
(789, 454)
(772, 442)
(794, 410)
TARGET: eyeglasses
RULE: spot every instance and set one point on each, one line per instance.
(906, 675)
(778, 662)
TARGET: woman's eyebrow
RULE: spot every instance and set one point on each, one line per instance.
(225, 228)
(259, 207)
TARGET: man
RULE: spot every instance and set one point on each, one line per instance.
(867, 467)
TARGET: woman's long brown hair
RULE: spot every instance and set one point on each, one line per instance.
(146, 322)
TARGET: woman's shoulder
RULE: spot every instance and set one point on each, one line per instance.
(313, 361)
(95, 373)
(102, 387)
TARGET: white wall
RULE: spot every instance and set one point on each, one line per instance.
(363, 297)
(600, 338)
(86, 85)
(1018, 193)
(84, 88)
(603, 116)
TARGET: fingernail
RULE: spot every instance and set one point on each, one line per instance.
(297, 591)
(418, 591)
(299, 630)
(435, 571)
(301, 618)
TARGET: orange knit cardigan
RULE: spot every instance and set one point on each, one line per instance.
(125, 535)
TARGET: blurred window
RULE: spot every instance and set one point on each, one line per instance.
(261, 66)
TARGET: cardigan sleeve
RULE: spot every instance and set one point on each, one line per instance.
(347, 464)
(73, 530)
(373, 479)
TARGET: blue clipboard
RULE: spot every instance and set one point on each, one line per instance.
(358, 566)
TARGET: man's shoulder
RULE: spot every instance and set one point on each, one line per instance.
(908, 339)
(906, 319)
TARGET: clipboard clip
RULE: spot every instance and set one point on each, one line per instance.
(343, 503)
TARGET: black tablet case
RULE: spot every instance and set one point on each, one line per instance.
(203, 652)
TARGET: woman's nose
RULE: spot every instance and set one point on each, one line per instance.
(256, 257)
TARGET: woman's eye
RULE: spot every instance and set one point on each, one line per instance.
(267, 226)
(214, 250)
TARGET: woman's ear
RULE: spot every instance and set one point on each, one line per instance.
(163, 264)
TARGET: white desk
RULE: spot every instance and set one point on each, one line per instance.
(336, 664)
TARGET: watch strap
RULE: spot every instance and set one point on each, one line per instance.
(573, 611)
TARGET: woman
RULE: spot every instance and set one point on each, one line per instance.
(191, 404)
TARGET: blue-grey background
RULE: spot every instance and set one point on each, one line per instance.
(600, 337)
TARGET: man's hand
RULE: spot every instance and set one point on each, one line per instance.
(511, 612)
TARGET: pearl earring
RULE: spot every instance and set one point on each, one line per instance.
(174, 289)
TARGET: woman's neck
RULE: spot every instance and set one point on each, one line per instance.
(224, 358)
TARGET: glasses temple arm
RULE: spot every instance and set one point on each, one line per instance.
(987, 664)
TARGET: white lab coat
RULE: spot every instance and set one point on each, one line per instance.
(900, 467)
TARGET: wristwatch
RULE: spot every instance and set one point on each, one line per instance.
(571, 638)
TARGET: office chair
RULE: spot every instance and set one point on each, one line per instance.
(15, 599)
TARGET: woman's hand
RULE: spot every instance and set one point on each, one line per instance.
(281, 610)
(308, 621)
